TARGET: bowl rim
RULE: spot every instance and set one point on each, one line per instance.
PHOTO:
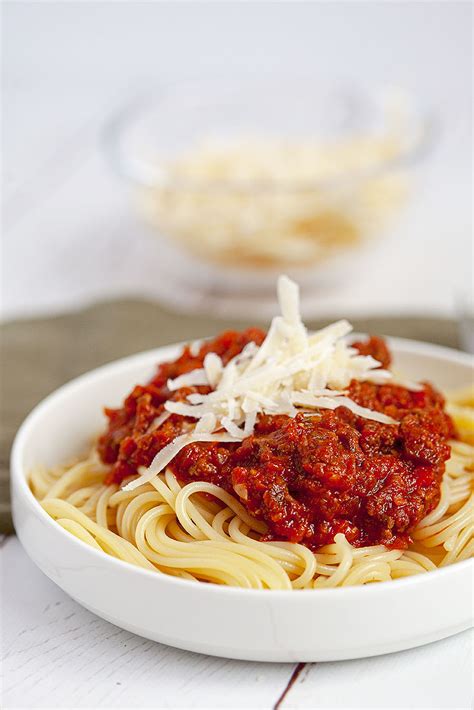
(20, 488)
(145, 173)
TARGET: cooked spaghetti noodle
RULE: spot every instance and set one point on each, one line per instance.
(177, 530)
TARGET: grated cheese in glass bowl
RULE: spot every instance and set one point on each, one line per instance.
(243, 179)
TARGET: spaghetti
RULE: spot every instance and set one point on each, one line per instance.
(177, 530)
(284, 460)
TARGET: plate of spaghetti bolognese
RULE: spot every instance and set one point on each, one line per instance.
(280, 496)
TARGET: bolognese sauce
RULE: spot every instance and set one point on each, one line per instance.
(307, 477)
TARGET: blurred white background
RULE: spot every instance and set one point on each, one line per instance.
(70, 235)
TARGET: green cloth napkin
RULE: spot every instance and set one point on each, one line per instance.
(40, 354)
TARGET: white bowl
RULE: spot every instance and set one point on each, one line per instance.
(305, 625)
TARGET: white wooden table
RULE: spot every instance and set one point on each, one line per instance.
(67, 227)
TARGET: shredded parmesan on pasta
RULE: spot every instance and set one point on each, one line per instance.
(291, 371)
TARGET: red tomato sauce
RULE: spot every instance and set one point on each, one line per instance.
(309, 477)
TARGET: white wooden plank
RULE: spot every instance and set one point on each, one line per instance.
(435, 676)
(57, 654)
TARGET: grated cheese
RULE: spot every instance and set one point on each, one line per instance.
(262, 202)
(291, 371)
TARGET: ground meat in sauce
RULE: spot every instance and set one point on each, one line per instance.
(307, 477)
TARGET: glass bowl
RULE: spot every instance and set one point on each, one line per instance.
(244, 180)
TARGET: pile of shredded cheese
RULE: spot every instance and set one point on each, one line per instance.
(291, 371)
(263, 202)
